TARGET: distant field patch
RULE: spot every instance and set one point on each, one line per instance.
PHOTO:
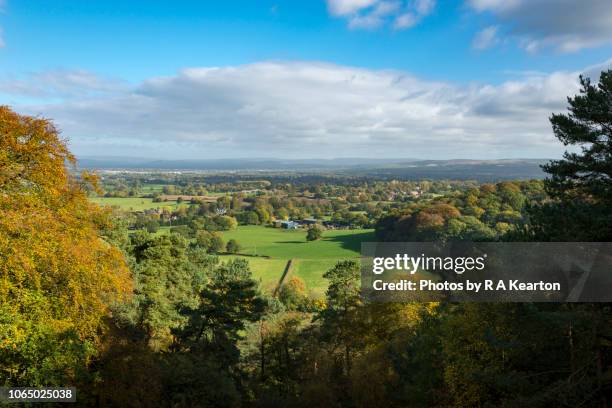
(175, 197)
(152, 188)
(135, 203)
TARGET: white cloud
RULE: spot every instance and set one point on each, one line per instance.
(424, 7)
(486, 38)
(347, 7)
(61, 84)
(306, 109)
(495, 5)
(375, 17)
(563, 25)
(405, 20)
(369, 14)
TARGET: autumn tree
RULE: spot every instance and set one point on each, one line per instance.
(58, 277)
(294, 294)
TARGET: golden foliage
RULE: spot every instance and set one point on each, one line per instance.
(50, 249)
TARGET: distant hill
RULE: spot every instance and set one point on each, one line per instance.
(229, 164)
(480, 170)
(408, 169)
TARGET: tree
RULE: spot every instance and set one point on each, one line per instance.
(152, 226)
(182, 230)
(58, 277)
(232, 246)
(360, 220)
(293, 294)
(581, 210)
(203, 239)
(166, 281)
(226, 223)
(341, 317)
(249, 218)
(226, 303)
(314, 233)
(586, 175)
(282, 213)
(216, 243)
(581, 183)
(206, 348)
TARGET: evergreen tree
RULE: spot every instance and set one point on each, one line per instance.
(341, 317)
(581, 183)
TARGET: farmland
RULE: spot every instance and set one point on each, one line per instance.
(269, 249)
(288, 244)
(136, 203)
(310, 259)
(243, 206)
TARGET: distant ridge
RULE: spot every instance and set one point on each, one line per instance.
(479, 170)
(410, 169)
(229, 164)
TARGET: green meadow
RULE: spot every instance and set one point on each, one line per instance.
(310, 259)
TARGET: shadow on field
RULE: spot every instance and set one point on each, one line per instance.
(290, 242)
(352, 242)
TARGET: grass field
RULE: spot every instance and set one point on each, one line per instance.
(288, 244)
(152, 188)
(311, 259)
(311, 271)
(135, 203)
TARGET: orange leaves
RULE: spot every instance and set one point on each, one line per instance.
(32, 155)
(50, 247)
(436, 215)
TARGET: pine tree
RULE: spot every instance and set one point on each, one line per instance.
(581, 183)
(586, 175)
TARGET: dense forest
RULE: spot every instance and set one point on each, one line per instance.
(99, 300)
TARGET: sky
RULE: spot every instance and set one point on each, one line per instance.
(427, 79)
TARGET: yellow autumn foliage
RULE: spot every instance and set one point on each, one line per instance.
(56, 274)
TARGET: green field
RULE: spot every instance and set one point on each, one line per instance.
(135, 203)
(152, 188)
(311, 271)
(311, 259)
(288, 244)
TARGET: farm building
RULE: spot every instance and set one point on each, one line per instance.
(289, 225)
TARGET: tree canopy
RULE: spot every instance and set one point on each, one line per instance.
(58, 277)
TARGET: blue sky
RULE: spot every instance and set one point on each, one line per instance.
(435, 79)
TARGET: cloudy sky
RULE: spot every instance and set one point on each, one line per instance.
(302, 79)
